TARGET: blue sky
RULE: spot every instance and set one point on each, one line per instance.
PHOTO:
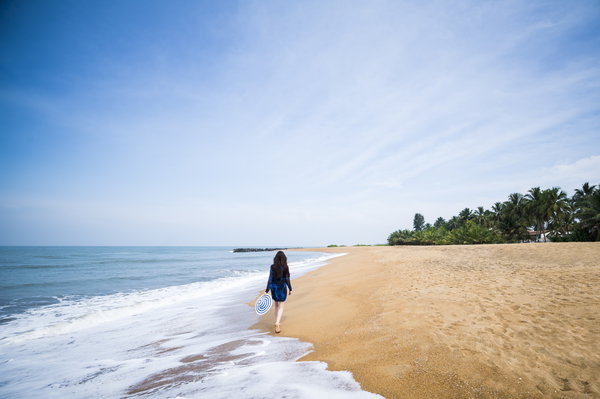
(285, 123)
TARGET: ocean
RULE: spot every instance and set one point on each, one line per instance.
(152, 322)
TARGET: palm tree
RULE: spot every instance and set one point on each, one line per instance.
(564, 224)
(548, 206)
(536, 209)
(464, 215)
(590, 214)
(586, 190)
(480, 215)
(516, 203)
(453, 223)
(559, 210)
(496, 211)
(510, 217)
(497, 207)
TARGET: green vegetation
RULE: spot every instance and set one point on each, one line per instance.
(519, 218)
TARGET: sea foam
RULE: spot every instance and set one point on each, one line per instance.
(187, 341)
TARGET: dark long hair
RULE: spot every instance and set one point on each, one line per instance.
(280, 266)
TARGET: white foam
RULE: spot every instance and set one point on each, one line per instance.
(102, 346)
(282, 380)
(69, 316)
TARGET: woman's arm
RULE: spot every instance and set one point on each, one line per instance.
(288, 283)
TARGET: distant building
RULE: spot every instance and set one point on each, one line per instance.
(538, 236)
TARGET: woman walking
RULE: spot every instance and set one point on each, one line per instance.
(278, 284)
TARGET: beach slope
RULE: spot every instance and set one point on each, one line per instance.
(486, 321)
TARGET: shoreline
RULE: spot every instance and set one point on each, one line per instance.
(493, 321)
(189, 340)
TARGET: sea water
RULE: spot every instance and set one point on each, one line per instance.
(152, 322)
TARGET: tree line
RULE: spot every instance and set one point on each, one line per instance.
(537, 215)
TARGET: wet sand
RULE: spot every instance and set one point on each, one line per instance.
(486, 321)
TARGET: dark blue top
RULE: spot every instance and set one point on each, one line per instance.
(279, 281)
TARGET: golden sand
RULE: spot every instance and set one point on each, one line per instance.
(486, 321)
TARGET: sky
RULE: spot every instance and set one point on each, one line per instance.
(279, 123)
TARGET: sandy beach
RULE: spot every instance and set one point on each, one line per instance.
(488, 321)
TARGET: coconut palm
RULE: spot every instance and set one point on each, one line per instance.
(510, 217)
(453, 223)
(464, 215)
(496, 210)
(590, 215)
(536, 209)
(585, 190)
(479, 215)
(558, 210)
(497, 207)
(516, 204)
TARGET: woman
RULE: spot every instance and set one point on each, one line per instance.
(279, 282)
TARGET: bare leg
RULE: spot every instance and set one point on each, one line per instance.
(276, 309)
(278, 312)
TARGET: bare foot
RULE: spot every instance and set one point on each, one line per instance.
(277, 329)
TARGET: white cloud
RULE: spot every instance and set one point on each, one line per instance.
(574, 174)
(336, 120)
